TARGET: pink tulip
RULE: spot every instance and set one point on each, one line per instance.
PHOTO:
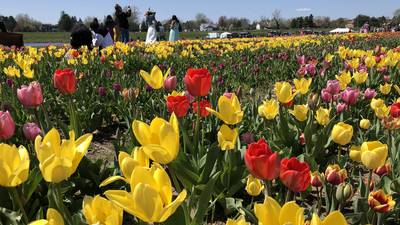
(31, 130)
(30, 96)
(326, 95)
(311, 69)
(170, 83)
(350, 96)
(369, 93)
(301, 60)
(333, 86)
(7, 125)
(386, 78)
(341, 107)
(302, 71)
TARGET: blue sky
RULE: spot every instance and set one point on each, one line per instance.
(48, 11)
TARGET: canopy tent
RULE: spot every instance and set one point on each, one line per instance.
(340, 30)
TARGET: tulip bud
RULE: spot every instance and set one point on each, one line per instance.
(315, 181)
(10, 82)
(326, 95)
(365, 124)
(334, 175)
(341, 107)
(7, 125)
(254, 186)
(102, 91)
(170, 83)
(350, 96)
(344, 192)
(302, 139)
(31, 130)
(369, 93)
(386, 78)
(312, 101)
(383, 170)
(247, 138)
(117, 87)
(30, 96)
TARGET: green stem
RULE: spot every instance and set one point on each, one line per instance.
(46, 117)
(16, 197)
(380, 219)
(72, 117)
(288, 195)
(368, 183)
(36, 112)
(62, 209)
(319, 197)
(267, 188)
(196, 132)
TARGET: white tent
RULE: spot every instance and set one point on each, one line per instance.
(340, 30)
(225, 35)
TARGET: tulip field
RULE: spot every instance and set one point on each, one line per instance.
(270, 131)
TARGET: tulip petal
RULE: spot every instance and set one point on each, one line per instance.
(112, 179)
(173, 120)
(148, 203)
(335, 218)
(164, 183)
(157, 153)
(171, 208)
(315, 220)
(54, 217)
(372, 160)
(143, 175)
(5, 174)
(39, 222)
(142, 132)
(289, 213)
(122, 199)
(268, 212)
(169, 140)
(56, 169)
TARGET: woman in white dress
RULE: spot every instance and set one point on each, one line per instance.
(151, 23)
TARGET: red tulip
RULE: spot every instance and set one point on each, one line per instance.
(198, 82)
(203, 105)
(395, 110)
(7, 125)
(295, 175)
(178, 104)
(30, 96)
(261, 161)
(65, 81)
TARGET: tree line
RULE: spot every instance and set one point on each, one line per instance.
(25, 23)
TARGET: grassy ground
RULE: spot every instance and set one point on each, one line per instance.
(63, 37)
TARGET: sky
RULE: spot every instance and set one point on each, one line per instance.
(48, 11)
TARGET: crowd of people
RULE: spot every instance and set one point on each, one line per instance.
(117, 29)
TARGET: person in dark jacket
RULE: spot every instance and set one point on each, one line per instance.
(2, 27)
(81, 36)
(122, 21)
(110, 24)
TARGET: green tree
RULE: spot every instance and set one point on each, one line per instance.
(66, 22)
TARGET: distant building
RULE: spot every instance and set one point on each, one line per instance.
(207, 27)
(258, 26)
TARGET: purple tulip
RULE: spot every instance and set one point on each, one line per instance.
(369, 93)
(102, 91)
(247, 138)
(333, 86)
(10, 82)
(350, 96)
(117, 87)
(31, 130)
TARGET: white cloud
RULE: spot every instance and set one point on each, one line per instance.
(303, 10)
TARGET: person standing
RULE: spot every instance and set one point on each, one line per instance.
(122, 21)
(175, 29)
(110, 25)
(151, 23)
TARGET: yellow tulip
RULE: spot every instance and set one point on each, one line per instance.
(14, 165)
(269, 109)
(365, 124)
(334, 218)
(300, 112)
(283, 91)
(344, 79)
(240, 221)
(53, 217)
(229, 110)
(128, 163)
(382, 112)
(99, 210)
(160, 139)
(354, 63)
(355, 153)
(270, 212)
(377, 103)
(370, 61)
(155, 79)
(227, 137)
(302, 85)
(254, 186)
(58, 159)
(329, 57)
(150, 198)
(322, 116)
(360, 77)
(342, 133)
(12, 71)
(373, 154)
(385, 89)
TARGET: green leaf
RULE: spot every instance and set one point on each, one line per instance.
(29, 187)
(204, 199)
(212, 158)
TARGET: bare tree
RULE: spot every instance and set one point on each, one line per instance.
(396, 13)
(276, 17)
